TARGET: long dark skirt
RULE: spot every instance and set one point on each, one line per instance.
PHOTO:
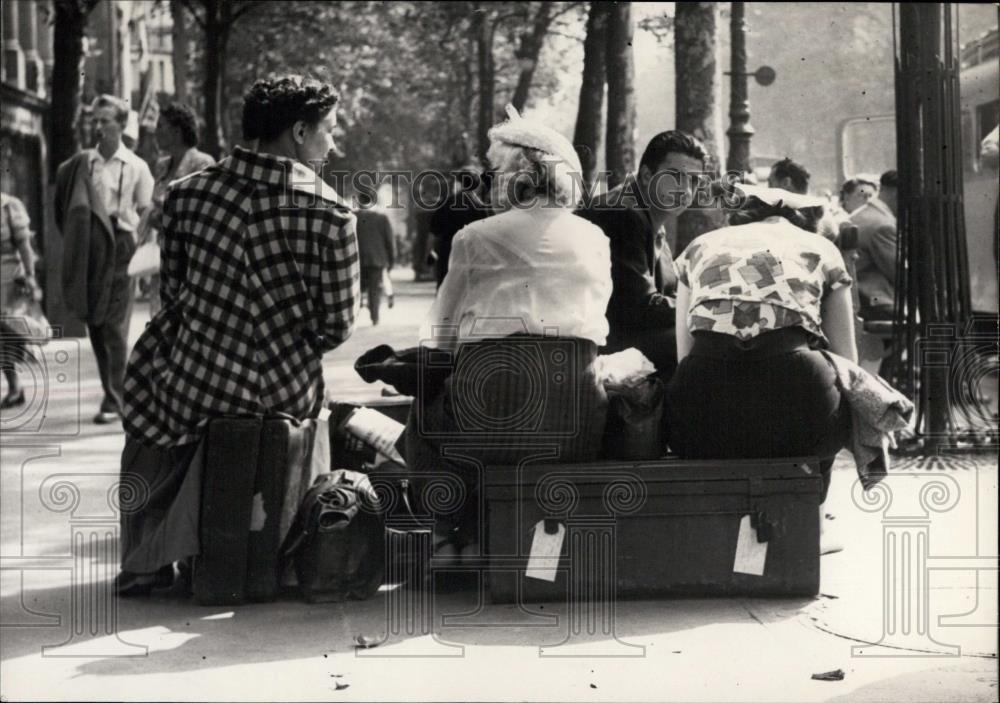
(161, 499)
(772, 398)
(507, 401)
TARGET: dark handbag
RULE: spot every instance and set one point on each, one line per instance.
(337, 540)
(634, 429)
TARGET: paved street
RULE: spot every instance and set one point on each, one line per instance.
(63, 639)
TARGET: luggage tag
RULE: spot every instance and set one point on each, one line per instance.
(750, 552)
(546, 545)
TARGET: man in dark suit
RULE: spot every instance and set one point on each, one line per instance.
(636, 216)
(377, 250)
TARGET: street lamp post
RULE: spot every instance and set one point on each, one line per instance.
(740, 131)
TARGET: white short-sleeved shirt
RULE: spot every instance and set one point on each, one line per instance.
(539, 271)
(126, 183)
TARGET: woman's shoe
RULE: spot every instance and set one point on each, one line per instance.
(132, 585)
(12, 400)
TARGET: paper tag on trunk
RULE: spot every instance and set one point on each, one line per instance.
(545, 548)
(750, 554)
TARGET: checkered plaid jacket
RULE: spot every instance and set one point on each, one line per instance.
(259, 277)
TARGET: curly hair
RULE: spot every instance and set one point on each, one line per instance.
(528, 174)
(183, 118)
(272, 106)
(755, 210)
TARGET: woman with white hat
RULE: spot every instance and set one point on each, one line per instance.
(756, 301)
(521, 314)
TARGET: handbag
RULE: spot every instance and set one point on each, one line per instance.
(146, 260)
(337, 542)
(23, 316)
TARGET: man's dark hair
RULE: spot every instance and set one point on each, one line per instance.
(889, 179)
(183, 118)
(795, 172)
(755, 210)
(671, 142)
(272, 106)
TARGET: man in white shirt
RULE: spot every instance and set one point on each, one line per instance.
(124, 183)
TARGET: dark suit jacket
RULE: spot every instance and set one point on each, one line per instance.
(376, 244)
(642, 274)
(88, 259)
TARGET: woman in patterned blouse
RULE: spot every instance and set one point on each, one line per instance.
(756, 301)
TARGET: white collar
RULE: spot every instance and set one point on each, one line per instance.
(121, 153)
(305, 180)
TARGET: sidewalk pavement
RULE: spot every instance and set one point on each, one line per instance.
(62, 638)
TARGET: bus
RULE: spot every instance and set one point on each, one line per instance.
(867, 145)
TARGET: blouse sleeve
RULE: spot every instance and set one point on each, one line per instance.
(20, 223)
(834, 269)
(446, 311)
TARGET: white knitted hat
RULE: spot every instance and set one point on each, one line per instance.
(532, 134)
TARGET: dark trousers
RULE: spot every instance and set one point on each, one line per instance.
(110, 338)
(371, 277)
(771, 398)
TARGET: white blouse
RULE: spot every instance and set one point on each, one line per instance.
(540, 271)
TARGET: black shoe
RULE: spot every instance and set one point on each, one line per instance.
(13, 400)
(132, 585)
(106, 418)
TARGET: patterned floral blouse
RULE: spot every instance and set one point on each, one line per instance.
(750, 279)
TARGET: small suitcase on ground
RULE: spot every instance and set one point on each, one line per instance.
(654, 528)
(256, 472)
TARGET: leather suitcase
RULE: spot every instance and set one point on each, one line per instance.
(283, 477)
(256, 473)
(655, 528)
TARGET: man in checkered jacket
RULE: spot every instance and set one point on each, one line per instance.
(259, 278)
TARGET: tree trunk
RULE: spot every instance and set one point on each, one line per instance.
(216, 37)
(587, 134)
(620, 139)
(528, 53)
(697, 113)
(181, 49)
(67, 80)
(484, 50)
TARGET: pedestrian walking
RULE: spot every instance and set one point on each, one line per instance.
(377, 249)
(177, 138)
(101, 195)
(17, 269)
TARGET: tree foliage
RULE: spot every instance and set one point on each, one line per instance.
(406, 71)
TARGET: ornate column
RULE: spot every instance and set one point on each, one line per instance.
(34, 70)
(94, 558)
(409, 604)
(906, 529)
(592, 558)
(45, 50)
(13, 57)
